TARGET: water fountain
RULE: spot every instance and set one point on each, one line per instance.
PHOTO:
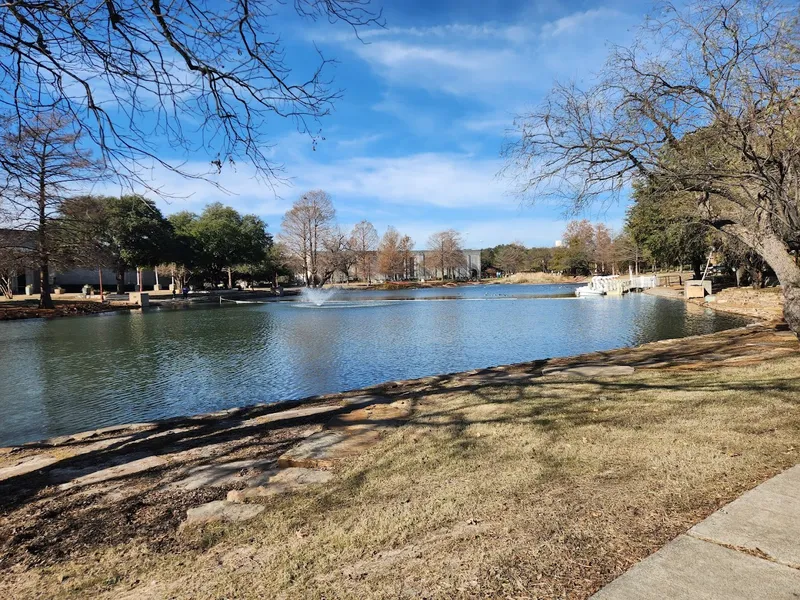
(317, 296)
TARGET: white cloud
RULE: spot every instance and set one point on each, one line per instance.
(417, 121)
(457, 71)
(456, 181)
(497, 122)
(360, 142)
(428, 179)
(492, 62)
(580, 21)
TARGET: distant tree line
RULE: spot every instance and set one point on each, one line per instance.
(585, 249)
(314, 246)
(658, 235)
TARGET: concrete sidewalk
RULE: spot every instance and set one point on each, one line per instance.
(748, 549)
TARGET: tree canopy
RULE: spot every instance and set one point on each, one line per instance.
(123, 233)
(704, 105)
(224, 238)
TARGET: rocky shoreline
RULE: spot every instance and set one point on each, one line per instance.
(159, 484)
(16, 310)
(764, 305)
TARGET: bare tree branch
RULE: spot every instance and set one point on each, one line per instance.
(205, 78)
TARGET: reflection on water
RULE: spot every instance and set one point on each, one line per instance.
(69, 375)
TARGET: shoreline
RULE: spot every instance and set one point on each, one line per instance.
(23, 308)
(18, 310)
(140, 497)
(750, 307)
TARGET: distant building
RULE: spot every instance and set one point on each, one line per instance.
(559, 243)
(71, 280)
(425, 265)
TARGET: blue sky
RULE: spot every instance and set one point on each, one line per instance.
(415, 141)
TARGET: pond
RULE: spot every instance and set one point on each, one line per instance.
(68, 375)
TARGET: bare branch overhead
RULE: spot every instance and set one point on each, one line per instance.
(203, 77)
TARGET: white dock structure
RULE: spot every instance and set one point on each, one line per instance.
(613, 285)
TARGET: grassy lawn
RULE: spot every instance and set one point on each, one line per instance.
(543, 488)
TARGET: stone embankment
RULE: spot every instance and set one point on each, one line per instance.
(763, 304)
(21, 309)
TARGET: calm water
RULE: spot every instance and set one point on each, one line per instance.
(69, 375)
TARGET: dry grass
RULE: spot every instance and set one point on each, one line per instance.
(536, 277)
(533, 490)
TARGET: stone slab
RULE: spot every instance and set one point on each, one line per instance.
(295, 413)
(590, 371)
(691, 569)
(372, 415)
(224, 474)
(27, 465)
(765, 519)
(504, 378)
(325, 449)
(281, 482)
(364, 400)
(221, 511)
(133, 467)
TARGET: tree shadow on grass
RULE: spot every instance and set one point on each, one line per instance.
(544, 402)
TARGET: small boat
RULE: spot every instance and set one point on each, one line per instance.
(588, 290)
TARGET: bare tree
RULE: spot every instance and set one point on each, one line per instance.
(42, 164)
(337, 255)
(17, 253)
(304, 230)
(133, 75)
(446, 252)
(407, 259)
(707, 107)
(603, 248)
(511, 257)
(390, 256)
(364, 244)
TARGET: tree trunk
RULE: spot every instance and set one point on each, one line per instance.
(791, 305)
(230, 279)
(772, 249)
(696, 266)
(120, 280)
(45, 300)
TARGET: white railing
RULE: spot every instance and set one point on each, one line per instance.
(613, 285)
(643, 282)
